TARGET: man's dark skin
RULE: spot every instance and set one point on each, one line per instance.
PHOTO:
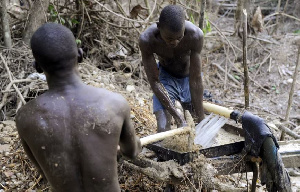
(179, 54)
(72, 132)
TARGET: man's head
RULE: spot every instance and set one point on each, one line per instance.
(172, 24)
(54, 49)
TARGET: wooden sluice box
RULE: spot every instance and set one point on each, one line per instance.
(172, 166)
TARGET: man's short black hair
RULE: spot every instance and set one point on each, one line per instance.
(54, 48)
(172, 17)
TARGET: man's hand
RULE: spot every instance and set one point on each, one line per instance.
(182, 122)
(139, 146)
(138, 149)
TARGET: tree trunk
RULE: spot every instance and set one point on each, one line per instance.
(249, 9)
(238, 16)
(247, 6)
(277, 17)
(5, 24)
(37, 17)
(202, 11)
(296, 3)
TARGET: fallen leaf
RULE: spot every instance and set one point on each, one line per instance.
(4, 148)
(257, 21)
(8, 173)
(135, 11)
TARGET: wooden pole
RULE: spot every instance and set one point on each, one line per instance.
(246, 74)
(290, 102)
(202, 12)
(216, 109)
(277, 17)
(287, 131)
(5, 25)
(160, 136)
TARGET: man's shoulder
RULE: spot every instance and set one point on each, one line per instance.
(115, 97)
(147, 37)
(112, 98)
(116, 102)
(26, 108)
(37, 108)
(193, 31)
(25, 114)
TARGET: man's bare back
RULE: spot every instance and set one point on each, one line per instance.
(72, 133)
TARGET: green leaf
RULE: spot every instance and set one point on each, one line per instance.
(70, 23)
(192, 19)
(207, 27)
(62, 21)
(74, 21)
(237, 77)
(78, 41)
(297, 31)
(51, 7)
(52, 10)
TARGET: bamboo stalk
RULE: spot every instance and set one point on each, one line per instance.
(246, 75)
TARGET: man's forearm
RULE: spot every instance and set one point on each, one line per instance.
(197, 100)
(165, 100)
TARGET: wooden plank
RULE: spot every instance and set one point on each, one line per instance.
(291, 161)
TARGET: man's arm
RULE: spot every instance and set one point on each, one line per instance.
(32, 158)
(158, 89)
(130, 145)
(20, 121)
(196, 85)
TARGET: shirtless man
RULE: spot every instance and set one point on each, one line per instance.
(72, 131)
(178, 75)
